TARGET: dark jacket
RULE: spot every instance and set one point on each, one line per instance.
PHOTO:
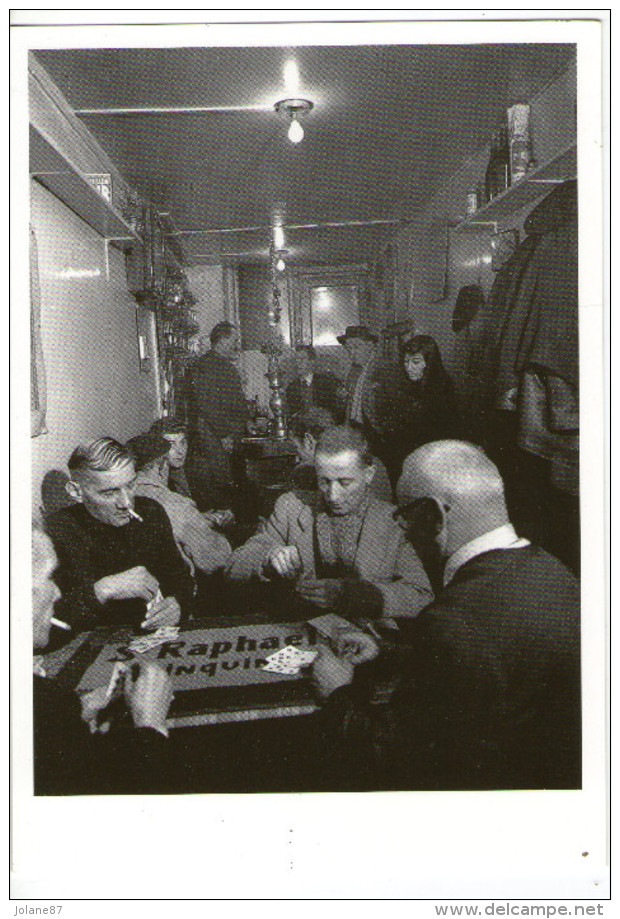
(216, 401)
(89, 550)
(326, 391)
(412, 415)
(216, 408)
(487, 685)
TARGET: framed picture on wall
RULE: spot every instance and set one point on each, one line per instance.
(144, 321)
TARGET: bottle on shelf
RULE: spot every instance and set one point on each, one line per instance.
(471, 202)
(519, 141)
(498, 171)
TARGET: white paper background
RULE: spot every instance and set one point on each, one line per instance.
(414, 846)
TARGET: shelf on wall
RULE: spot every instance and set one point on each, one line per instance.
(57, 174)
(558, 169)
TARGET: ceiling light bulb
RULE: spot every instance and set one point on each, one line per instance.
(291, 77)
(295, 131)
(280, 264)
(278, 237)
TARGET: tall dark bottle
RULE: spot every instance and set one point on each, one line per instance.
(497, 175)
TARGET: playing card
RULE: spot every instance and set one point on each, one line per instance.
(287, 670)
(289, 660)
(146, 642)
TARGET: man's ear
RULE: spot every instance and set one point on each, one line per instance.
(74, 491)
(369, 473)
(309, 442)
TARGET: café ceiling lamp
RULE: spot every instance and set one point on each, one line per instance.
(294, 108)
(278, 237)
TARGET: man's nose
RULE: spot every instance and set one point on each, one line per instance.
(125, 498)
(333, 491)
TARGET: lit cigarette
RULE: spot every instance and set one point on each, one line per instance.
(60, 624)
(133, 514)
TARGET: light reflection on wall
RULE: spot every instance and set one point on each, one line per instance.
(76, 273)
(333, 309)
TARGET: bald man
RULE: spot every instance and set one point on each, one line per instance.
(488, 690)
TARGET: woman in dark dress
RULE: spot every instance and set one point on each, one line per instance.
(419, 406)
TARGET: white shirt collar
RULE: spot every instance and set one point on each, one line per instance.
(503, 537)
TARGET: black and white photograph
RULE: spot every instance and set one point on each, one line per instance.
(308, 540)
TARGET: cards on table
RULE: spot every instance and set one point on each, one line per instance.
(161, 635)
(289, 660)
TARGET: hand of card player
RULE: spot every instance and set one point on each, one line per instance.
(146, 690)
(149, 695)
(98, 704)
(147, 642)
(335, 664)
(161, 611)
(285, 561)
(324, 593)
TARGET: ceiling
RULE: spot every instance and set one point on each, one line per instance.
(389, 124)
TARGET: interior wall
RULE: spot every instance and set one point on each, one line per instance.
(207, 284)
(254, 302)
(90, 346)
(434, 262)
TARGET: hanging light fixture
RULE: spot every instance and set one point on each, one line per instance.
(280, 264)
(294, 108)
(278, 236)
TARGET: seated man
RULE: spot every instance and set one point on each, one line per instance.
(344, 547)
(115, 558)
(304, 429)
(68, 758)
(488, 677)
(198, 542)
(175, 432)
(312, 389)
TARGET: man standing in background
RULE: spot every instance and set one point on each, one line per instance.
(217, 413)
(312, 389)
(361, 347)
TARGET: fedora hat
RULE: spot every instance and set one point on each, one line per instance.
(357, 331)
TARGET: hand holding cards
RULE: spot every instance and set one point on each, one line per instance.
(145, 689)
(347, 647)
(147, 642)
(161, 612)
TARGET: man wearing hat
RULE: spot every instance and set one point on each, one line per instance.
(361, 346)
(201, 547)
